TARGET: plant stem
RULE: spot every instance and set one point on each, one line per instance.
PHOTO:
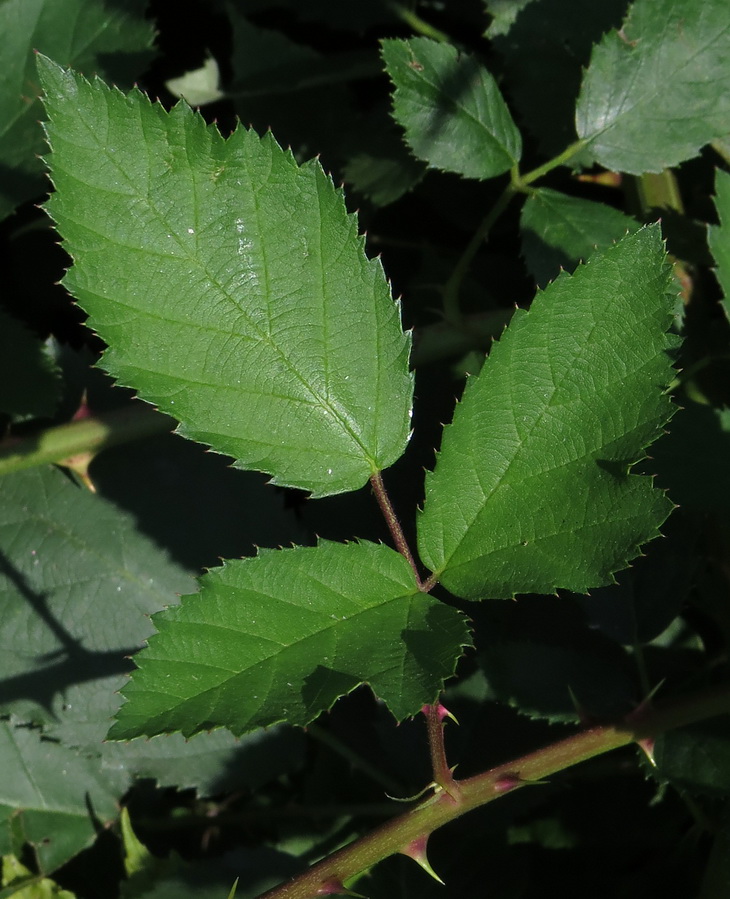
(399, 833)
(419, 25)
(520, 182)
(442, 774)
(86, 435)
(394, 526)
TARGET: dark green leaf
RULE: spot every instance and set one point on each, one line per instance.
(451, 109)
(658, 90)
(51, 793)
(231, 286)
(545, 49)
(29, 378)
(532, 489)
(697, 758)
(559, 231)
(283, 635)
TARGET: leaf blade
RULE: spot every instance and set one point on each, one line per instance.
(451, 108)
(567, 401)
(230, 285)
(291, 655)
(630, 119)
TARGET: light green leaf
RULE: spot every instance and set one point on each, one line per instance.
(658, 90)
(231, 286)
(15, 875)
(532, 489)
(30, 383)
(451, 109)
(283, 635)
(559, 231)
(100, 36)
(50, 792)
(719, 236)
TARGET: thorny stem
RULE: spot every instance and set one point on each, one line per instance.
(394, 526)
(442, 774)
(86, 435)
(476, 791)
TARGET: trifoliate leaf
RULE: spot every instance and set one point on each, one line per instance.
(283, 635)
(558, 231)
(231, 286)
(719, 236)
(658, 90)
(451, 108)
(532, 489)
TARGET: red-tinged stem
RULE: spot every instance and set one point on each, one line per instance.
(473, 792)
(442, 774)
(394, 526)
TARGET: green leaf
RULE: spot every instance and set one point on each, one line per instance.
(718, 236)
(93, 35)
(555, 36)
(658, 90)
(50, 793)
(451, 109)
(29, 378)
(559, 231)
(15, 875)
(532, 489)
(231, 286)
(283, 635)
(77, 586)
(696, 758)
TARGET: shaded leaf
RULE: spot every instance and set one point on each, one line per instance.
(451, 109)
(718, 236)
(545, 48)
(540, 656)
(696, 758)
(52, 794)
(658, 90)
(559, 231)
(650, 594)
(231, 286)
(77, 586)
(100, 36)
(29, 378)
(532, 489)
(283, 635)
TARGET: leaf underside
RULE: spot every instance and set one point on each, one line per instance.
(284, 634)
(531, 491)
(230, 284)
